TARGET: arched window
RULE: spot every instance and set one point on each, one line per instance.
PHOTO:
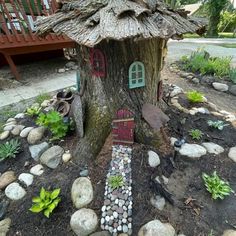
(136, 75)
(97, 60)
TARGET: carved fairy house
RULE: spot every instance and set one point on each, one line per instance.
(122, 45)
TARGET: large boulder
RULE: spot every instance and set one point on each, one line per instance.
(83, 222)
(82, 192)
(156, 228)
(52, 157)
(35, 135)
(193, 151)
(7, 178)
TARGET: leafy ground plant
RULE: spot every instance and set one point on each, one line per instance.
(46, 202)
(9, 149)
(216, 186)
(196, 134)
(219, 124)
(54, 121)
(116, 181)
(33, 111)
(194, 96)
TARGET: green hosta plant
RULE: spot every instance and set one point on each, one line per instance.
(196, 134)
(195, 96)
(46, 202)
(216, 186)
(9, 149)
(54, 121)
(219, 124)
(116, 181)
(33, 111)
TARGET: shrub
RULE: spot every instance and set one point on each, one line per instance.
(219, 124)
(9, 149)
(54, 121)
(216, 186)
(195, 96)
(46, 202)
(201, 62)
(116, 181)
(196, 134)
(232, 75)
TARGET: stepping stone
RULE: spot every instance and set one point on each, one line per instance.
(15, 192)
(213, 148)
(26, 178)
(193, 151)
(37, 170)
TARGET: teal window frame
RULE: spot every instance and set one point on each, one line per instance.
(136, 75)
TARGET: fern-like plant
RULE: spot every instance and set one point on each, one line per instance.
(216, 186)
(116, 181)
(195, 96)
(9, 149)
(54, 121)
(46, 202)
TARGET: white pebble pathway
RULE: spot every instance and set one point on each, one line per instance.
(117, 208)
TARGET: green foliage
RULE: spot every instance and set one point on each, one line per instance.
(219, 124)
(34, 110)
(232, 75)
(196, 134)
(195, 96)
(216, 186)
(41, 97)
(227, 21)
(9, 149)
(54, 121)
(201, 62)
(46, 201)
(116, 181)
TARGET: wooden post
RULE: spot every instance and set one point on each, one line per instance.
(12, 66)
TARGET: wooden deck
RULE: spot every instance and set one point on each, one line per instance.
(17, 31)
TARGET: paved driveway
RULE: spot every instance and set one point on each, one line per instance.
(184, 47)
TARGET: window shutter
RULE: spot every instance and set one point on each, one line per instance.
(136, 75)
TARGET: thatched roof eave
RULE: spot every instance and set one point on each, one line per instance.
(88, 22)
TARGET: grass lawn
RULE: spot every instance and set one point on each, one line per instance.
(221, 35)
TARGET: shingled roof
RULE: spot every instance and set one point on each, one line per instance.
(88, 22)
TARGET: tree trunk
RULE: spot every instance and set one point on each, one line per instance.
(104, 96)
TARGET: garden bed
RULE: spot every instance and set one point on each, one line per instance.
(199, 215)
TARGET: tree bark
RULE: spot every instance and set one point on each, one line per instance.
(104, 96)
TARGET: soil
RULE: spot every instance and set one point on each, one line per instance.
(197, 218)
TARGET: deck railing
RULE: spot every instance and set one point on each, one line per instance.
(18, 33)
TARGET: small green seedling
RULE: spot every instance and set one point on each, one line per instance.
(196, 134)
(195, 96)
(33, 111)
(219, 124)
(116, 181)
(9, 149)
(46, 202)
(216, 186)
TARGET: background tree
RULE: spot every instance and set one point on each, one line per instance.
(214, 8)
